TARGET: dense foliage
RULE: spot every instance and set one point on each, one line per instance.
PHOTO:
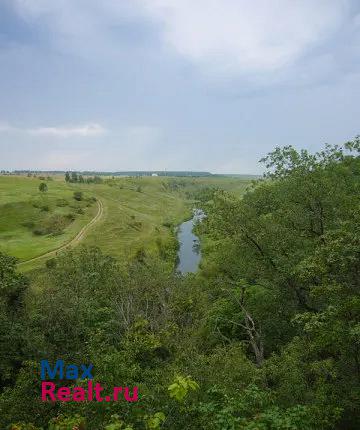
(266, 336)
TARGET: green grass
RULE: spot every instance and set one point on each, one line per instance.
(24, 209)
(133, 219)
(137, 213)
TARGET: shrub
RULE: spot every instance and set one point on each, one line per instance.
(43, 187)
(78, 195)
(70, 216)
(54, 225)
(51, 263)
(39, 231)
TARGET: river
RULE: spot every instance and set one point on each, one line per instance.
(189, 254)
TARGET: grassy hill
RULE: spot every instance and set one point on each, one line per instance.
(138, 214)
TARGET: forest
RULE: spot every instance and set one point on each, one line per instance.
(265, 336)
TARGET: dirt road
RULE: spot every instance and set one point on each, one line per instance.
(74, 241)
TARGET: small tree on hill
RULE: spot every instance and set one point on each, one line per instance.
(43, 187)
(67, 177)
(78, 195)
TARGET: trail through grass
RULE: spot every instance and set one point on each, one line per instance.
(136, 214)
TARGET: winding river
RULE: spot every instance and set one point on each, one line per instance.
(189, 254)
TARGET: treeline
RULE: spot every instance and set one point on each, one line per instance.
(131, 173)
(74, 177)
(266, 336)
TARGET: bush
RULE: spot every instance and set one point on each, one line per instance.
(54, 225)
(39, 231)
(43, 187)
(78, 195)
(51, 263)
(70, 216)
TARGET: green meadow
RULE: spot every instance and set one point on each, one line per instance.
(33, 223)
(138, 214)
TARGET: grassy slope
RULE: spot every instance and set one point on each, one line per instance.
(133, 218)
(17, 198)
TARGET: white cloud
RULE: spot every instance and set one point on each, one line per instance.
(224, 37)
(241, 36)
(86, 130)
(5, 127)
(79, 27)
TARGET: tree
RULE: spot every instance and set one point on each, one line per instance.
(293, 242)
(67, 177)
(43, 187)
(12, 289)
(78, 195)
(74, 177)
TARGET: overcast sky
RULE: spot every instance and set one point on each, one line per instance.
(174, 84)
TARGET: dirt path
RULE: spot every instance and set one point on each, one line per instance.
(75, 240)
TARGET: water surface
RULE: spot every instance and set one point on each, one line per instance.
(189, 254)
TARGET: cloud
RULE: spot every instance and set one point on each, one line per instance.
(5, 127)
(223, 37)
(238, 36)
(134, 147)
(86, 130)
(84, 28)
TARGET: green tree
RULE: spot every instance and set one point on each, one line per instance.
(289, 249)
(78, 195)
(12, 289)
(74, 177)
(43, 187)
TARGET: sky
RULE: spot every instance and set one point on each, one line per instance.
(210, 85)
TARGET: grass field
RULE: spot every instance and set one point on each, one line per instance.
(138, 213)
(24, 211)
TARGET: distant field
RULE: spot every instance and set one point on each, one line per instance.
(138, 213)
